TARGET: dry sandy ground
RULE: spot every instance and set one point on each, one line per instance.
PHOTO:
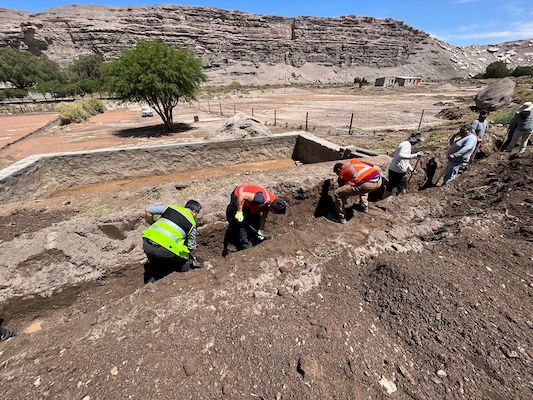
(374, 109)
(14, 127)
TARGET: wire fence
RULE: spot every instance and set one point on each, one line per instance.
(306, 120)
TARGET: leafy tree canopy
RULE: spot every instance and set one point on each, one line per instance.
(155, 73)
(24, 70)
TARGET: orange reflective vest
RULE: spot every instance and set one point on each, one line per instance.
(356, 172)
(255, 208)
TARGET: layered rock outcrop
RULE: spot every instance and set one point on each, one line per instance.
(247, 47)
(218, 36)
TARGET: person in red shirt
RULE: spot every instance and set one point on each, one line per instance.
(356, 178)
(247, 213)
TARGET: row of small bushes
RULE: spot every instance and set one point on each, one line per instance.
(79, 110)
(498, 69)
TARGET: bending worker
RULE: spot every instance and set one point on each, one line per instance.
(462, 146)
(401, 163)
(356, 178)
(247, 213)
(168, 242)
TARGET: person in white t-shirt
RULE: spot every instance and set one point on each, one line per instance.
(401, 163)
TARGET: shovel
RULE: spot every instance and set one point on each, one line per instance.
(266, 237)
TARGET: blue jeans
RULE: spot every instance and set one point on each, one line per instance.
(454, 168)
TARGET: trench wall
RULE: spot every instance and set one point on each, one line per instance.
(40, 175)
(36, 176)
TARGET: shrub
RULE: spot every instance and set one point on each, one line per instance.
(523, 71)
(503, 116)
(93, 106)
(497, 69)
(79, 111)
(13, 93)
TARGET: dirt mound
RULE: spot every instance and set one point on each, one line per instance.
(241, 126)
(452, 113)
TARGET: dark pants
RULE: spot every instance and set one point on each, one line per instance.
(162, 262)
(397, 180)
(239, 233)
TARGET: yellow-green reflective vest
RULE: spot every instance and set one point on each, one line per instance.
(171, 230)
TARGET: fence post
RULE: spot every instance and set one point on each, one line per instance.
(234, 110)
(220, 106)
(252, 111)
(306, 120)
(351, 121)
(275, 118)
(208, 106)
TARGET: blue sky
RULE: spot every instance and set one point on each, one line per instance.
(461, 22)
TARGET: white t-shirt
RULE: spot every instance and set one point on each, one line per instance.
(400, 162)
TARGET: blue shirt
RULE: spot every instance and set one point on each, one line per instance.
(480, 128)
(462, 148)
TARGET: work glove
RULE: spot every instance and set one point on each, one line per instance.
(260, 235)
(419, 154)
(239, 216)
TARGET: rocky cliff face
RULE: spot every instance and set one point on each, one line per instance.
(235, 44)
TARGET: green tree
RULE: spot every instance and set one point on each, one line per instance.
(497, 69)
(155, 73)
(87, 74)
(24, 70)
(57, 88)
(20, 68)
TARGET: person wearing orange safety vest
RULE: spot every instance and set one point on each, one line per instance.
(356, 178)
(247, 213)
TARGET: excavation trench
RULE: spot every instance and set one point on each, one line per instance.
(113, 169)
(98, 288)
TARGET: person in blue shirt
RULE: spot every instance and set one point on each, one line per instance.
(462, 146)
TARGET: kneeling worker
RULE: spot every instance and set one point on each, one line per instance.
(356, 178)
(169, 241)
(247, 213)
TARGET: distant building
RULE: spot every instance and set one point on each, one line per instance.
(385, 82)
(408, 80)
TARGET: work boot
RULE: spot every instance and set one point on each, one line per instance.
(341, 218)
(362, 208)
(6, 334)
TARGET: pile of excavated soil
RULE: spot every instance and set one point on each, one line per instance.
(452, 113)
(241, 126)
(426, 297)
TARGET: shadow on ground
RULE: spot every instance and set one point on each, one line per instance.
(153, 131)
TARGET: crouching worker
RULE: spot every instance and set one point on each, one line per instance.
(356, 178)
(168, 242)
(462, 147)
(247, 213)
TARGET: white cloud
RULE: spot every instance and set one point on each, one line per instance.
(517, 30)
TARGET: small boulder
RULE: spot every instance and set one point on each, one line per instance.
(495, 96)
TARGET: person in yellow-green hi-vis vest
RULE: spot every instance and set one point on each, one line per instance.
(168, 242)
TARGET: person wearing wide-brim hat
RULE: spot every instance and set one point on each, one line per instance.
(401, 163)
(521, 127)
